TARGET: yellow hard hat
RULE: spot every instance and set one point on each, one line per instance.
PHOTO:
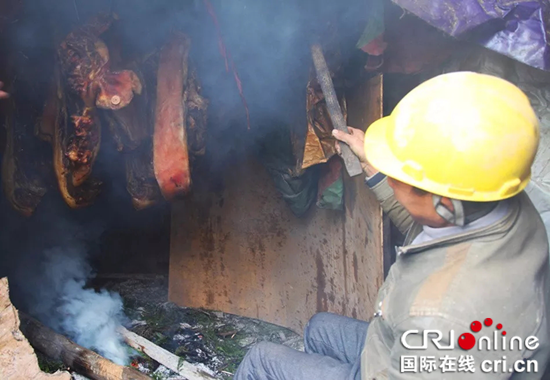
(461, 135)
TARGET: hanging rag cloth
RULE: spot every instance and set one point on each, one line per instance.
(298, 188)
(330, 193)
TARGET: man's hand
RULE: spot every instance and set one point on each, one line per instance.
(3, 94)
(355, 139)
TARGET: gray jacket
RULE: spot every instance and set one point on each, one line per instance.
(498, 272)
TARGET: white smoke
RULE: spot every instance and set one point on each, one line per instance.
(90, 318)
(55, 293)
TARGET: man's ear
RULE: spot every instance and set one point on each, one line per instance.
(447, 203)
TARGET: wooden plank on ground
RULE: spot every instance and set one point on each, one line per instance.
(165, 357)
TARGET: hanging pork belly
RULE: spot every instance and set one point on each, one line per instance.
(140, 177)
(85, 66)
(65, 130)
(170, 152)
(86, 63)
(128, 125)
(25, 163)
(141, 183)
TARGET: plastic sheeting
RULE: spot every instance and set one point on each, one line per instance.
(518, 29)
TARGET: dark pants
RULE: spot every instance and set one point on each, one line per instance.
(333, 346)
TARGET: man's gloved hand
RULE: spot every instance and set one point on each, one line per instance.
(3, 94)
(355, 140)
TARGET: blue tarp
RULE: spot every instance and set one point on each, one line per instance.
(517, 29)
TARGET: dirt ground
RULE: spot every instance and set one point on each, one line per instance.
(214, 339)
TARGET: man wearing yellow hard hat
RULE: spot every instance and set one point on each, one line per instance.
(467, 296)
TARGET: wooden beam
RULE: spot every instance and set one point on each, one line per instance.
(82, 360)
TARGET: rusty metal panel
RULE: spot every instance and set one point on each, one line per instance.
(242, 251)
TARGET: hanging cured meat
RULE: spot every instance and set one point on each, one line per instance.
(86, 63)
(128, 125)
(170, 152)
(140, 177)
(25, 163)
(140, 174)
(85, 66)
(153, 107)
(63, 136)
(22, 173)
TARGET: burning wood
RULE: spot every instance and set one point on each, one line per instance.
(166, 358)
(82, 360)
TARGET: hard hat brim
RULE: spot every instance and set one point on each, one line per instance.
(377, 149)
(380, 156)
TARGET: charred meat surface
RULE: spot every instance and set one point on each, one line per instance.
(85, 62)
(170, 152)
(141, 183)
(140, 177)
(128, 125)
(62, 141)
(85, 67)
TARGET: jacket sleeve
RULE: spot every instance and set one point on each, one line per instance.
(443, 362)
(397, 213)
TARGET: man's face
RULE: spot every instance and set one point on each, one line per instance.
(418, 204)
